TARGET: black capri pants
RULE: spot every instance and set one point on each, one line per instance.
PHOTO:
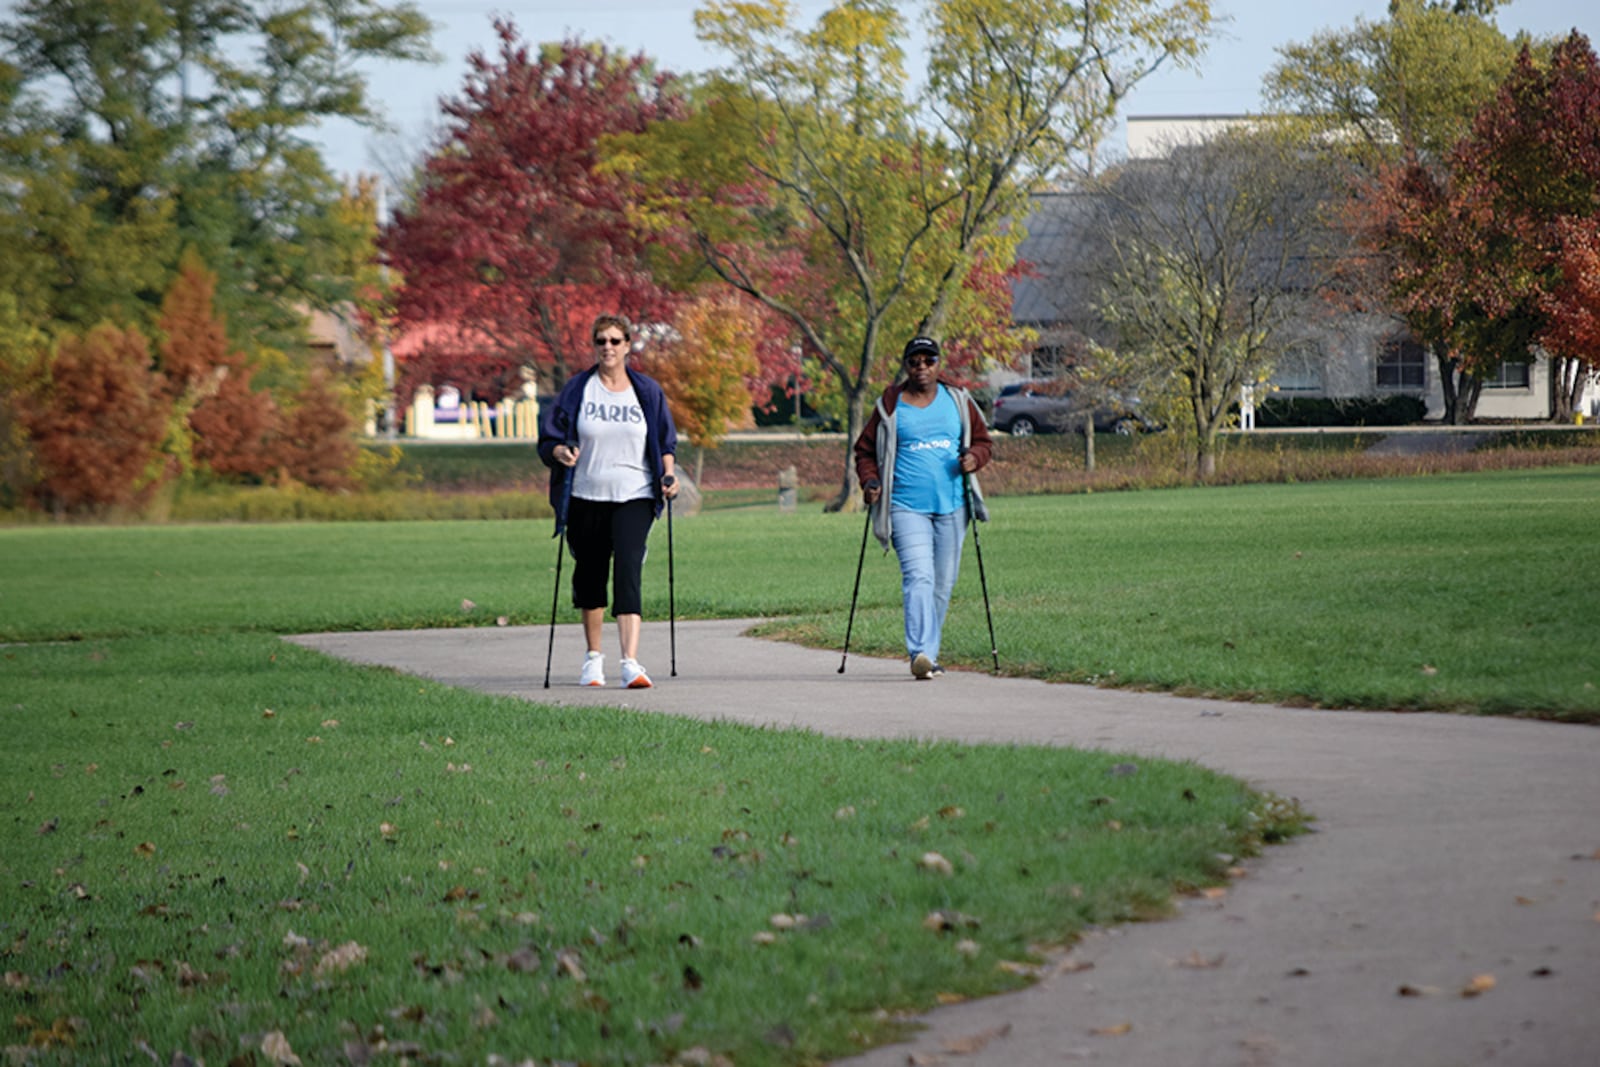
(608, 536)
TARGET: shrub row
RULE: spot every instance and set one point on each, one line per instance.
(1353, 411)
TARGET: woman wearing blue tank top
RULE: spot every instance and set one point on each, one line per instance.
(923, 441)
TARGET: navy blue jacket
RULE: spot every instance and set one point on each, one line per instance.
(560, 426)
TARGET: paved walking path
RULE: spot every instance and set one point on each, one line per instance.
(1447, 848)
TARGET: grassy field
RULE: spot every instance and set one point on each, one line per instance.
(220, 845)
(1458, 592)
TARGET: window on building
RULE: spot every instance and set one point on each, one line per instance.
(1402, 364)
(1510, 376)
(1299, 370)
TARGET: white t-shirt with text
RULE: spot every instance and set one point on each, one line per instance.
(611, 442)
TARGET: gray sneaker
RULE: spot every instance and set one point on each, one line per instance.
(921, 666)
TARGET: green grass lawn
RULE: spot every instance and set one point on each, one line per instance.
(1456, 592)
(216, 841)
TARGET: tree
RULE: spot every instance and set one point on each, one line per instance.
(1409, 88)
(1488, 255)
(815, 184)
(22, 363)
(517, 238)
(1572, 333)
(1406, 86)
(317, 448)
(1209, 259)
(141, 127)
(708, 367)
(98, 424)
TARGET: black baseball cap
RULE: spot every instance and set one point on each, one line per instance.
(920, 345)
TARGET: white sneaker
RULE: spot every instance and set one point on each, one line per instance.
(594, 669)
(633, 676)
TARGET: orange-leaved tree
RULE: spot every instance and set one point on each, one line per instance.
(708, 368)
(97, 423)
(318, 448)
(221, 422)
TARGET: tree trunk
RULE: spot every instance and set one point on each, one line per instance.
(1088, 441)
(1461, 392)
(1567, 377)
(849, 498)
(699, 464)
(1447, 384)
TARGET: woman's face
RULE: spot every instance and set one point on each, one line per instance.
(610, 348)
(922, 370)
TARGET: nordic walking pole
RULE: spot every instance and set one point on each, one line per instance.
(865, 529)
(983, 581)
(555, 592)
(672, 595)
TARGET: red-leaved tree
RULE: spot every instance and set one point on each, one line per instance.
(98, 424)
(1487, 257)
(1572, 332)
(518, 237)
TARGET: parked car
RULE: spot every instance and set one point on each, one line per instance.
(1049, 406)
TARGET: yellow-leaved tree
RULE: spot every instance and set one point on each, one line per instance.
(861, 206)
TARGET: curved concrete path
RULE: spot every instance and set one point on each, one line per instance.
(1447, 848)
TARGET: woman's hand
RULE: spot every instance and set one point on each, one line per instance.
(566, 455)
(969, 463)
(871, 490)
(669, 485)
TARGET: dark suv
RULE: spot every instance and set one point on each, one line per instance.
(1025, 408)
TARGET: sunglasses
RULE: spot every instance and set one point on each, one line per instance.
(604, 341)
(922, 361)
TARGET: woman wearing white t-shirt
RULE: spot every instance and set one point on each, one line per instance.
(610, 443)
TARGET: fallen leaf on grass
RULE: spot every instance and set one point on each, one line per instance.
(276, 1048)
(947, 919)
(932, 861)
(144, 849)
(523, 960)
(568, 963)
(340, 959)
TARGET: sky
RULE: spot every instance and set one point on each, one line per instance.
(1228, 80)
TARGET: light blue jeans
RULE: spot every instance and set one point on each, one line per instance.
(929, 547)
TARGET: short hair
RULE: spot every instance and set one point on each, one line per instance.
(617, 321)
